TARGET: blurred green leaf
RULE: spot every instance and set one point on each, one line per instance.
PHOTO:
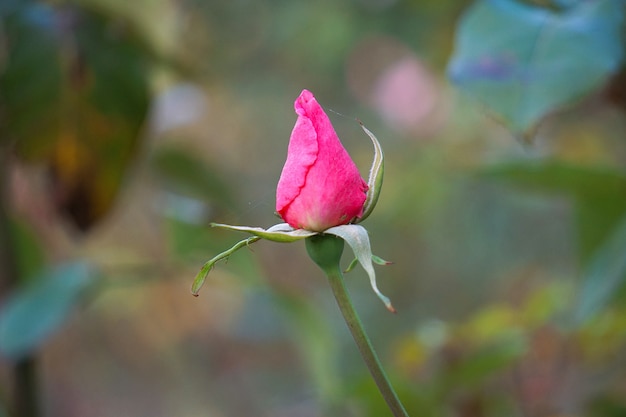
(117, 64)
(599, 194)
(105, 100)
(74, 94)
(315, 339)
(488, 359)
(32, 313)
(28, 252)
(604, 276)
(189, 174)
(190, 241)
(546, 303)
(422, 400)
(30, 71)
(607, 404)
(524, 62)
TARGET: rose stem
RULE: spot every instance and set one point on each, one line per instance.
(335, 278)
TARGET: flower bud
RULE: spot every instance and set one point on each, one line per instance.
(320, 186)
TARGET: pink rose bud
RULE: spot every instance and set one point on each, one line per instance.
(320, 186)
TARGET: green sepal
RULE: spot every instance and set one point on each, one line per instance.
(325, 251)
(357, 238)
(206, 268)
(376, 259)
(350, 267)
(281, 232)
(375, 180)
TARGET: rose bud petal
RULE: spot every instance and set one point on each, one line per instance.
(320, 186)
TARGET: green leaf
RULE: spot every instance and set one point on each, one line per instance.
(198, 281)
(30, 71)
(120, 66)
(352, 265)
(316, 341)
(603, 277)
(524, 62)
(74, 96)
(32, 313)
(376, 259)
(598, 194)
(189, 174)
(281, 232)
(375, 180)
(356, 237)
(29, 255)
(488, 359)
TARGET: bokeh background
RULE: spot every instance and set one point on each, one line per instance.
(126, 127)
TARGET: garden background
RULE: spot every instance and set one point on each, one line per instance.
(126, 127)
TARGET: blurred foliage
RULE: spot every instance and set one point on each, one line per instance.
(30, 256)
(604, 277)
(128, 126)
(86, 99)
(32, 314)
(595, 192)
(539, 60)
(180, 170)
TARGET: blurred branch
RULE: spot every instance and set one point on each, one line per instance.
(24, 372)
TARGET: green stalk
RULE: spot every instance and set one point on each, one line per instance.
(364, 344)
(325, 250)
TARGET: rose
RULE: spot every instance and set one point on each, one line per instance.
(320, 195)
(319, 192)
(320, 186)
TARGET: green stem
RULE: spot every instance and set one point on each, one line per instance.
(325, 251)
(335, 278)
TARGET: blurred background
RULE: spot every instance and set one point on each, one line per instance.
(126, 127)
